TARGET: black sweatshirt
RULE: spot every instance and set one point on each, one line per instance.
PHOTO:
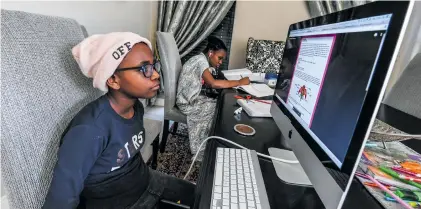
(96, 144)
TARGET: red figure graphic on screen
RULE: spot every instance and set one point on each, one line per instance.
(302, 92)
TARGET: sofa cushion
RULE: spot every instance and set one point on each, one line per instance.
(264, 55)
(152, 129)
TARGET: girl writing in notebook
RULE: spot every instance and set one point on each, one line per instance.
(194, 93)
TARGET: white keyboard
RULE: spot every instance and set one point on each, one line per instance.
(238, 181)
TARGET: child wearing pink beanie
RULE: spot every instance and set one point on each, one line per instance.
(99, 164)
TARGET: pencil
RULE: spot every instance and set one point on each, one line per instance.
(396, 175)
(262, 101)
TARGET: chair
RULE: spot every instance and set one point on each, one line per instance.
(405, 94)
(264, 55)
(171, 67)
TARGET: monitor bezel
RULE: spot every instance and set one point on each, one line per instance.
(398, 10)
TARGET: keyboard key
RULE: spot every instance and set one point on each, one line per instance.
(226, 195)
(215, 202)
(250, 204)
(250, 197)
(217, 196)
(249, 191)
(225, 207)
(226, 189)
(218, 174)
(233, 188)
(258, 206)
(234, 200)
(226, 183)
(242, 199)
(218, 189)
(226, 202)
(234, 193)
(234, 206)
(243, 206)
(257, 200)
(241, 192)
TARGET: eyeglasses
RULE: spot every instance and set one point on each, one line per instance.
(146, 68)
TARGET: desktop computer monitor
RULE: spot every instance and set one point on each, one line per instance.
(334, 73)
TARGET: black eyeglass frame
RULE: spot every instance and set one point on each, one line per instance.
(144, 68)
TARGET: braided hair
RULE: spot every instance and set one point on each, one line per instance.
(214, 44)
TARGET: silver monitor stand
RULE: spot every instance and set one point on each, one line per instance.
(288, 172)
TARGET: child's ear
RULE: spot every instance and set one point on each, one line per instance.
(113, 82)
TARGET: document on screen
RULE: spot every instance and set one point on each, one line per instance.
(310, 69)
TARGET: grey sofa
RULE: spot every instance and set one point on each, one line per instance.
(42, 89)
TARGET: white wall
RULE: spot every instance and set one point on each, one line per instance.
(268, 20)
(97, 17)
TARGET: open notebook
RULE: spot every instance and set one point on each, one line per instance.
(254, 108)
(257, 89)
(237, 74)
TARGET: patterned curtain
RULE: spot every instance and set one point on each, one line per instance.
(319, 8)
(191, 21)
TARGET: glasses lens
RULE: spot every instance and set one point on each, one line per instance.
(158, 67)
(148, 70)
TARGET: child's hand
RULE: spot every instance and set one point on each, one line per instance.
(244, 81)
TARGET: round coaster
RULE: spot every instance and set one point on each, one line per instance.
(244, 129)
